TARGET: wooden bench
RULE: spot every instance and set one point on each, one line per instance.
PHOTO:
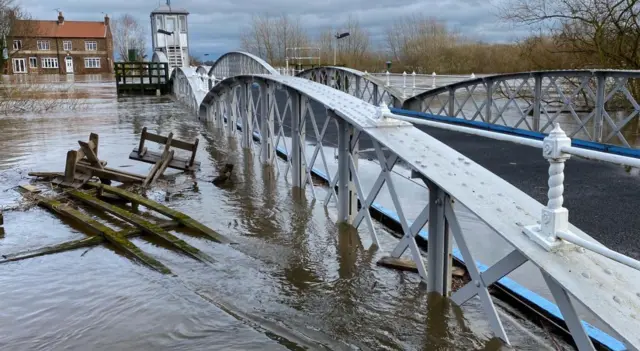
(184, 164)
(83, 164)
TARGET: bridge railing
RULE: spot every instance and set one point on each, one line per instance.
(556, 147)
(273, 109)
(592, 105)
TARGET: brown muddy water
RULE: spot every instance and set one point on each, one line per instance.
(295, 280)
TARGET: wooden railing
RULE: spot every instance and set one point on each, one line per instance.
(142, 77)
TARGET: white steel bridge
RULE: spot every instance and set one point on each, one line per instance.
(248, 98)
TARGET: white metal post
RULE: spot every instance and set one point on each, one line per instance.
(247, 120)
(439, 258)
(297, 135)
(433, 79)
(347, 151)
(232, 101)
(555, 218)
(266, 122)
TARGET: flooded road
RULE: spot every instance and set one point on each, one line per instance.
(295, 280)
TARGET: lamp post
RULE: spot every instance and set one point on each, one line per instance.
(335, 48)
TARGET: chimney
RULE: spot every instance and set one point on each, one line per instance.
(60, 18)
(106, 20)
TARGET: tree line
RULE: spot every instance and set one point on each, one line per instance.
(565, 34)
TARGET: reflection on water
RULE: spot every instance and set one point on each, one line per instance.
(294, 280)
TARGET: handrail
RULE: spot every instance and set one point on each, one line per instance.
(556, 149)
(577, 151)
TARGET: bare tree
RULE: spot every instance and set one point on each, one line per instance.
(604, 33)
(420, 43)
(270, 37)
(128, 34)
(13, 23)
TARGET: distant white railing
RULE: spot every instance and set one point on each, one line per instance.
(420, 81)
(553, 231)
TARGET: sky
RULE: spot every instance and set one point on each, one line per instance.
(215, 25)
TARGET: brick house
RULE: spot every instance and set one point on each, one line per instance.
(59, 47)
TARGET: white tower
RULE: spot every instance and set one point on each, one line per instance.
(170, 34)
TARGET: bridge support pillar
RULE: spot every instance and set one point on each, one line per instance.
(347, 166)
(265, 116)
(232, 111)
(439, 258)
(247, 118)
(298, 109)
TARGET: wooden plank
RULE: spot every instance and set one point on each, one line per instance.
(108, 233)
(143, 137)
(78, 181)
(174, 142)
(46, 175)
(163, 167)
(90, 154)
(143, 224)
(176, 163)
(173, 214)
(77, 244)
(70, 166)
(153, 170)
(111, 174)
(410, 266)
(29, 189)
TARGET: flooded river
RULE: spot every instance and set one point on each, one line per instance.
(295, 280)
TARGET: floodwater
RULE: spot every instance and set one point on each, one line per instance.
(295, 280)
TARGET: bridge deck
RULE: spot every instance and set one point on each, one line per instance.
(505, 209)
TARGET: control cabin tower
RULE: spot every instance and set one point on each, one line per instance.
(170, 34)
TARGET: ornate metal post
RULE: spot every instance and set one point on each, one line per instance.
(555, 218)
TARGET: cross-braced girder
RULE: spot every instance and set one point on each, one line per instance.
(280, 109)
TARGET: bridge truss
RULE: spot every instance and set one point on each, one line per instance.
(265, 107)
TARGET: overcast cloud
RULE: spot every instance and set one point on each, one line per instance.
(215, 25)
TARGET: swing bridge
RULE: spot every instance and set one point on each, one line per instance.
(565, 114)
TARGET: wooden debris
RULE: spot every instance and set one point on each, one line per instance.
(224, 175)
(410, 266)
(143, 224)
(106, 232)
(142, 154)
(173, 214)
(77, 244)
(28, 189)
(46, 175)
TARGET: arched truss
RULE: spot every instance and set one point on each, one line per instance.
(594, 105)
(188, 86)
(237, 63)
(159, 56)
(272, 108)
(356, 83)
(203, 69)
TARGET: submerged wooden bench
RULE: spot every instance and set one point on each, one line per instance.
(83, 164)
(141, 153)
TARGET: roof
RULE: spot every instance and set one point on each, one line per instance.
(68, 29)
(164, 9)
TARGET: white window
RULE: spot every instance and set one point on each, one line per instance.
(17, 44)
(66, 45)
(91, 46)
(49, 62)
(159, 22)
(183, 24)
(33, 62)
(19, 65)
(43, 44)
(92, 62)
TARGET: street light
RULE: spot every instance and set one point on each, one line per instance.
(335, 48)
